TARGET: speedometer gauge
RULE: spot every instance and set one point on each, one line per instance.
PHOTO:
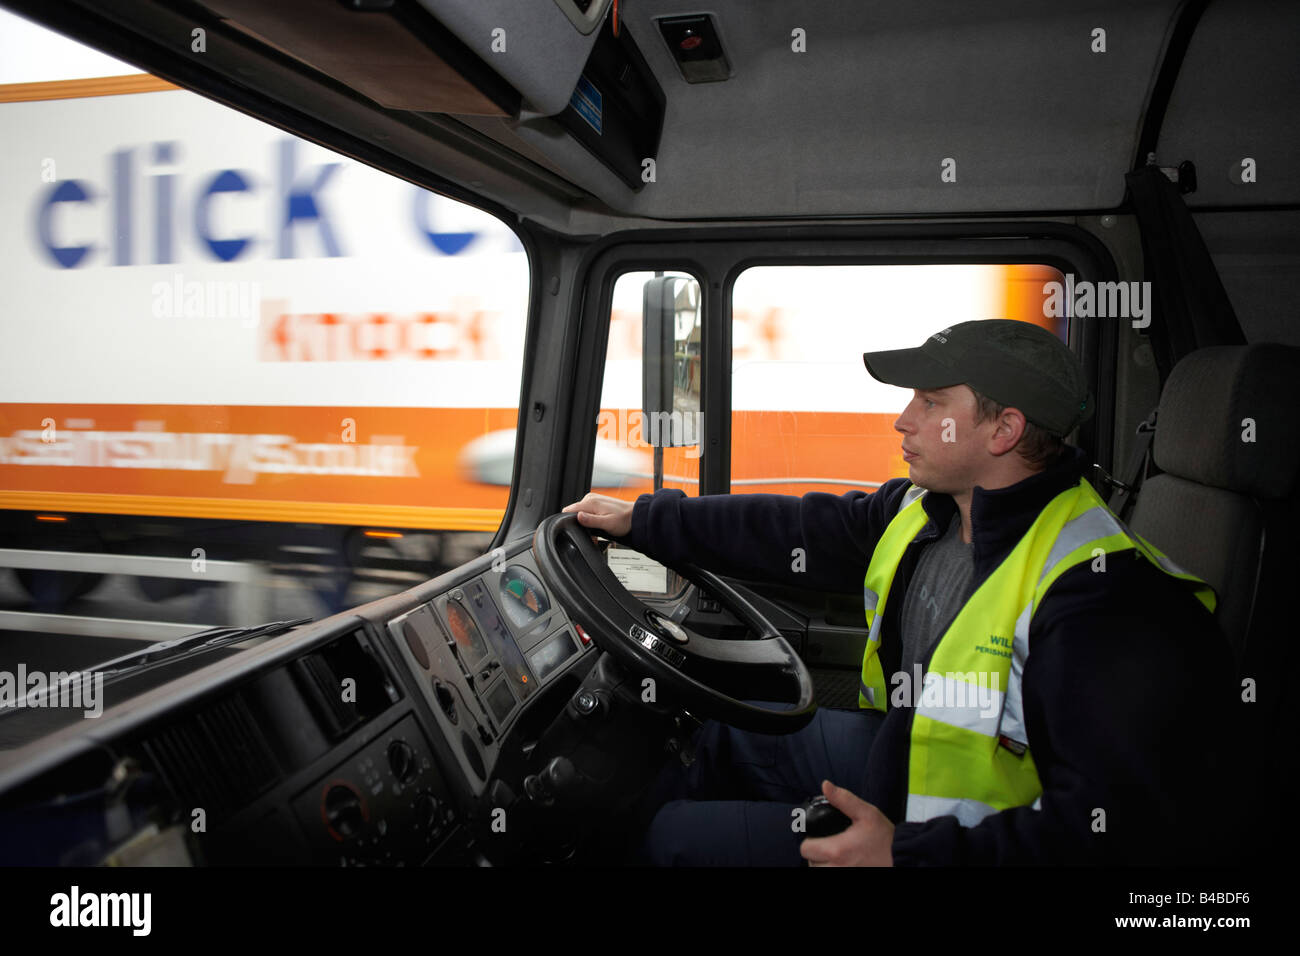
(522, 596)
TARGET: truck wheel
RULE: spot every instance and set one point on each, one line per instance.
(162, 589)
(50, 591)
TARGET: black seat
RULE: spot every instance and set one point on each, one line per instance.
(1224, 508)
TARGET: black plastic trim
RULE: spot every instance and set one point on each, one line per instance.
(1153, 117)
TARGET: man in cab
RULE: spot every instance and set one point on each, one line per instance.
(1039, 684)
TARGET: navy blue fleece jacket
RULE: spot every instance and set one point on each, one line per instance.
(1129, 687)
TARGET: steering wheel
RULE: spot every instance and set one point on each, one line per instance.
(695, 668)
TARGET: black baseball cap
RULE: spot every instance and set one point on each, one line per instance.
(1016, 364)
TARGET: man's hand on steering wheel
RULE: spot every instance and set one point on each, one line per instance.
(603, 513)
(702, 673)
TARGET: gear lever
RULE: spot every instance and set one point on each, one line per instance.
(821, 819)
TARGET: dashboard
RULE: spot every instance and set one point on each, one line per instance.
(366, 738)
(481, 651)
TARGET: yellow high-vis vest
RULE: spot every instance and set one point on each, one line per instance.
(969, 751)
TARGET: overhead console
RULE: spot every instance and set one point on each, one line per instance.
(573, 71)
(617, 108)
(539, 46)
(555, 72)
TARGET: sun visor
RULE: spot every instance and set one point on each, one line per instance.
(397, 55)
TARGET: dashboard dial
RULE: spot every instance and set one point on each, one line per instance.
(469, 640)
(523, 596)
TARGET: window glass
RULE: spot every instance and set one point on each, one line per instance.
(806, 415)
(227, 345)
(625, 460)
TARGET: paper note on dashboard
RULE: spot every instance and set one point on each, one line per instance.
(636, 572)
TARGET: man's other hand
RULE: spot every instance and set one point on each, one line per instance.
(603, 513)
(867, 842)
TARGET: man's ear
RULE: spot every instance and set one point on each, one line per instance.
(1010, 428)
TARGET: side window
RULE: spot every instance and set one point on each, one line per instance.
(806, 415)
(629, 435)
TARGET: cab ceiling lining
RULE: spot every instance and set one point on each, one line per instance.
(862, 121)
(1236, 99)
(946, 79)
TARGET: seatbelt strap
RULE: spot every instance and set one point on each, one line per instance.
(1191, 307)
(1122, 500)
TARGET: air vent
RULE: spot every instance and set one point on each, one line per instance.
(343, 685)
(323, 691)
(215, 759)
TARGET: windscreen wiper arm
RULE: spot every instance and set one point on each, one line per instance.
(164, 652)
(197, 643)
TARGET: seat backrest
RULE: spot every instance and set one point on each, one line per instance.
(1228, 445)
(1225, 508)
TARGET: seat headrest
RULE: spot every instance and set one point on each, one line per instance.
(1228, 418)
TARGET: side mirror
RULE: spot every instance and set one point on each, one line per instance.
(670, 349)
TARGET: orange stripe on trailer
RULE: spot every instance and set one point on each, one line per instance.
(171, 506)
(858, 448)
(74, 89)
(328, 457)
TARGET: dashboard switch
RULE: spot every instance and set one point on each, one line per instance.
(586, 703)
(343, 811)
(402, 761)
(428, 811)
(442, 693)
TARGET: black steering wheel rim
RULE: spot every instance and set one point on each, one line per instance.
(647, 643)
